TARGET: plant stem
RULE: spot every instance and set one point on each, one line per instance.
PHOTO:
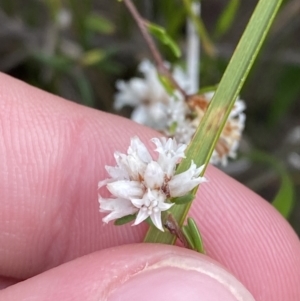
(142, 24)
(193, 50)
(209, 130)
(207, 44)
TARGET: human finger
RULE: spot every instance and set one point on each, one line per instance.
(133, 272)
(53, 154)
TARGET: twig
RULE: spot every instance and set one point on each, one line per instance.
(156, 55)
(173, 227)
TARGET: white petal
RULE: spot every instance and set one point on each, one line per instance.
(138, 203)
(104, 182)
(154, 175)
(153, 115)
(183, 183)
(165, 206)
(241, 121)
(126, 189)
(209, 95)
(141, 216)
(184, 131)
(118, 208)
(169, 153)
(140, 115)
(131, 166)
(169, 148)
(134, 166)
(131, 93)
(160, 143)
(176, 110)
(156, 219)
(117, 172)
(146, 66)
(151, 205)
(139, 87)
(139, 148)
(110, 204)
(158, 112)
(239, 107)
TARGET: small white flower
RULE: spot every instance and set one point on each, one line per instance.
(152, 204)
(169, 153)
(172, 115)
(148, 96)
(184, 182)
(130, 93)
(139, 184)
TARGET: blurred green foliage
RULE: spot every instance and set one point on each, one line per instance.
(161, 34)
(284, 200)
(78, 49)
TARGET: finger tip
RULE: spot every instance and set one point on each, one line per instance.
(178, 274)
(248, 236)
(134, 272)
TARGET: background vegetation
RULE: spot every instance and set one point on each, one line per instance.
(78, 49)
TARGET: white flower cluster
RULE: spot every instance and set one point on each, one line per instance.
(143, 186)
(172, 115)
(153, 106)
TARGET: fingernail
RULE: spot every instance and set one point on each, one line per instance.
(180, 278)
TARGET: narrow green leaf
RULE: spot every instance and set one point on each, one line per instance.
(81, 9)
(161, 34)
(227, 17)
(173, 128)
(92, 57)
(174, 22)
(284, 199)
(195, 235)
(287, 93)
(208, 89)
(211, 126)
(59, 62)
(54, 7)
(188, 236)
(85, 88)
(125, 219)
(166, 83)
(99, 23)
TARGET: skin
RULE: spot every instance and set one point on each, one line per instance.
(53, 154)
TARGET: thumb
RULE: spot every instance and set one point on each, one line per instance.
(133, 272)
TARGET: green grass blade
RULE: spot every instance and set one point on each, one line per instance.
(206, 136)
(207, 44)
(226, 20)
(161, 34)
(188, 237)
(196, 236)
(284, 200)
